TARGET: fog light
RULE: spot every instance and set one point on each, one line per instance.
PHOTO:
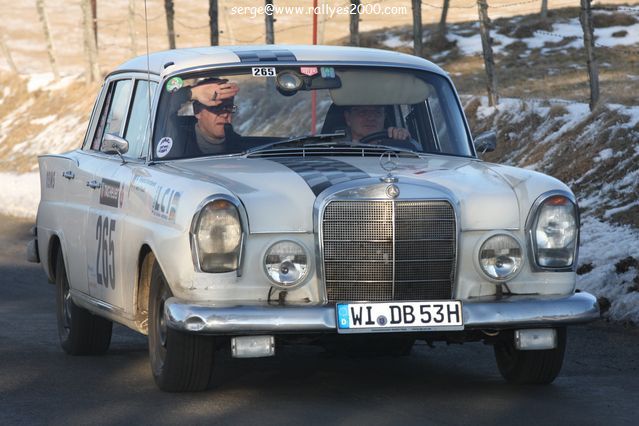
(286, 264)
(536, 339)
(252, 346)
(500, 257)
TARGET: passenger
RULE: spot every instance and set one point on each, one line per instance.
(365, 120)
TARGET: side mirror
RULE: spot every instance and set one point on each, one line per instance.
(486, 142)
(112, 144)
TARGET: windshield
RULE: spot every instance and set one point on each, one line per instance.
(260, 108)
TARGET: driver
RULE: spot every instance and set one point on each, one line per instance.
(364, 120)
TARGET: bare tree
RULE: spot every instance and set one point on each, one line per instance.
(354, 25)
(169, 10)
(585, 17)
(544, 9)
(90, 48)
(7, 54)
(270, 31)
(47, 36)
(417, 27)
(132, 27)
(94, 18)
(440, 40)
(213, 23)
(486, 44)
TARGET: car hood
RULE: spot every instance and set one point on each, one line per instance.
(279, 193)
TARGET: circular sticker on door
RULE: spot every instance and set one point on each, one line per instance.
(164, 146)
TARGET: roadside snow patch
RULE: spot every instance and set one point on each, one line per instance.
(20, 195)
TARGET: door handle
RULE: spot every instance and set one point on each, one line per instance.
(68, 174)
(94, 184)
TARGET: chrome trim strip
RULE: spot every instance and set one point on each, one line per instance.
(243, 223)
(530, 238)
(393, 231)
(508, 312)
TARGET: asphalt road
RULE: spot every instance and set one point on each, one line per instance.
(457, 384)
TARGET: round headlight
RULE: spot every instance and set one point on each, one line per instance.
(500, 257)
(286, 263)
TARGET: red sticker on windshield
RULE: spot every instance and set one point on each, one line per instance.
(309, 70)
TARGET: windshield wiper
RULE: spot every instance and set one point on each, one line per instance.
(297, 141)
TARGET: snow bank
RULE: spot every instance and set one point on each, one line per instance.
(20, 194)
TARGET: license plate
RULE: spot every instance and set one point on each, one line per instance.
(399, 316)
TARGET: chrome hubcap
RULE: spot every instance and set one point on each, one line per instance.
(66, 306)
(162, 326)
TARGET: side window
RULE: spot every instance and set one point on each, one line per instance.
(136, 129)
(113, 112)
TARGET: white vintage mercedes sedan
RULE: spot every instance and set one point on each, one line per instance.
(239, 198)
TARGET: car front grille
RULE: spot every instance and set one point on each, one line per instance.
(389, 250)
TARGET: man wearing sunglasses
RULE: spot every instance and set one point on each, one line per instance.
(213, 107)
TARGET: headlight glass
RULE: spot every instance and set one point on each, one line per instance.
(500, 257)
(286, 263)
(218, 235)
(555, 232)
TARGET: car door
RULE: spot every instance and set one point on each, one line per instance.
(103, 229)
(112, 261)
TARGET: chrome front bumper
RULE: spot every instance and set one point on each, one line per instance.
(509, 312)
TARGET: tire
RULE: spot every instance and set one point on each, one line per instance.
(80, 332)
(180, 362)
(530, 367)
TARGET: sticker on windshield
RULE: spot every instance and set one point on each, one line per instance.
(263, 71)
(174, 84)
(310, 71)
(164, 146)
(327, 72)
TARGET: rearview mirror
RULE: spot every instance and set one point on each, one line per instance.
(112, 144)
(486, 142)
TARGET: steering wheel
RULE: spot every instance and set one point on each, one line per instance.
(381, 135)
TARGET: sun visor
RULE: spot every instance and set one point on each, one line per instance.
(371, 87)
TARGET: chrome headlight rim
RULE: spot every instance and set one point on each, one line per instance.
(300, 281)
(531, 223)
(243, 226)
(478, 250)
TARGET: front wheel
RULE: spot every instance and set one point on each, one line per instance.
(180, 362)
(80, 332)
(530, 367)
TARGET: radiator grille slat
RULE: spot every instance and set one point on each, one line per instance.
(360, 242)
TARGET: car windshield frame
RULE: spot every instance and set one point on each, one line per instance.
(225, 70)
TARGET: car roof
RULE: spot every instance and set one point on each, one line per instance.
(177, 60)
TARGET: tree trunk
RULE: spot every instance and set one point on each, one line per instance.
(47, 36)
(213, 23)
(132, 27)
(544, 9)
(7, 54)
(486, 44)
(90, 48)
(169, 10)
(441, 29)
(585, 17)
(94, 18)
(270, 31)
(417, 27)
(354, 25)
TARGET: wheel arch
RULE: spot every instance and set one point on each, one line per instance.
(53, 251)
(146, 258)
